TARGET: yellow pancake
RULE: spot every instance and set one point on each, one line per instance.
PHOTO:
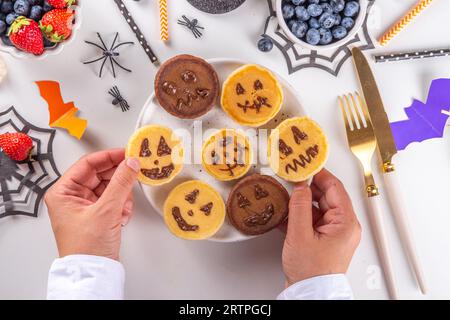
(252, 95)
(160, 152)
(298, 149)
(194, 210)
(230, 160)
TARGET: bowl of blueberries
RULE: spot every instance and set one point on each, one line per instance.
(321, 24)
(37, 28)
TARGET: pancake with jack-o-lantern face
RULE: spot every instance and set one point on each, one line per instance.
(252, 96)
(187, 86)
(160, 153)
(257, 204)
(194, 210)
(227, 155)
(298, 149)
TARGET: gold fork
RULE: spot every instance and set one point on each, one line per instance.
(362, 142)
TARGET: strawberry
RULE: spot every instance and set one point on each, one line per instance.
(60, 4)
(25, 35)
(57, 24)
(16, 145)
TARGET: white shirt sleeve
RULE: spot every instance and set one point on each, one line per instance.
(84, 277)
(328, 287)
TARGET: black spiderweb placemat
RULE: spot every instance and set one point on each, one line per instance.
(23, 184)
(298, 58)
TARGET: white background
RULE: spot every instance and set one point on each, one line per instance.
(160, 266)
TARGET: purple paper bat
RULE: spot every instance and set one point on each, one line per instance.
(425, 121)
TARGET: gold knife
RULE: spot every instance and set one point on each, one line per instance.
(387, 149)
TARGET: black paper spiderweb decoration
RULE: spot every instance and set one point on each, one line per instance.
(298, 58)
(23, 184)
(110, 54)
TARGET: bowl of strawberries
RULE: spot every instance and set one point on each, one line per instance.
(37, 28)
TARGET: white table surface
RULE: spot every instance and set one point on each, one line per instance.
(160, 266)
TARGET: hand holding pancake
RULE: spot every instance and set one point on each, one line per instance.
(320, 240)
(90, 202)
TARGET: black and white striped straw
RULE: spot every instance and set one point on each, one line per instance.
(412, 55)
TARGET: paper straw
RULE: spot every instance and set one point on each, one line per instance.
(163, 20)
(412, 55)
(405, 21)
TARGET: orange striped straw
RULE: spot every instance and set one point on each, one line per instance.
(405, 21)
(163, 20)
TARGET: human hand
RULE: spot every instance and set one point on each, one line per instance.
(321, 239)
(91, 202)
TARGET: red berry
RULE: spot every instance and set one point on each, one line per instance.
(16, 145)
(57, 24)
(60, 4)
(26, 35)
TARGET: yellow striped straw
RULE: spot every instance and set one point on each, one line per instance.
(163, 20)
(405, 21)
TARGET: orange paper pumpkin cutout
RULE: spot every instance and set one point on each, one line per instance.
(62, 115)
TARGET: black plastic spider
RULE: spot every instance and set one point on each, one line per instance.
(108, 54)
(191, 25)
(118, 99)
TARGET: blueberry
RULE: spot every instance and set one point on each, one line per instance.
(314, 1)
(339, 32)
(299, 29)
(348, 23)
(11, 17)
(337, 5)
(288, 11)
(313, 36)
(338, 19)
(298, 2)
(36, 13)
(327, 20)
(314, 10)
(290, 23)
(6, 40)
(2, 27)
(302, 13)
(47, 7)
(326, 37)
(326, 7)
(22, 7)
(351, 9)
(314, 23)
(7, 6)
(265, 44)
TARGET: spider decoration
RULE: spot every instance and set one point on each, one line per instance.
(108, 54)
(23, 184)
(191, 25)
(118, 99)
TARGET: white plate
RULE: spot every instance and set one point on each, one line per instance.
(153, 113)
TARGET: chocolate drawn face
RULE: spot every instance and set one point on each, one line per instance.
(298, 149)
(192, 207)
(227, 155)
(259, 217)
(187, 91)
(252, 98)
(293, 161)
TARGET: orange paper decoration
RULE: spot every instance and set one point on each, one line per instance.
(62, 115)
(405, 21)
(163, 20)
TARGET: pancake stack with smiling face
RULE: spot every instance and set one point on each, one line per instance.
(187, 87)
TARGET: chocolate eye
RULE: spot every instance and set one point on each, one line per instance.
(145, 149)
(169, 88)
(189, 76)
(239, 89)
(258, 85)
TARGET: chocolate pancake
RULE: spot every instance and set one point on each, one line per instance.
(186, 86)
(257, 204)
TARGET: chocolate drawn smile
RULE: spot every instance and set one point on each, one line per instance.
(258, 103)
(260, 219)
(157, 173)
